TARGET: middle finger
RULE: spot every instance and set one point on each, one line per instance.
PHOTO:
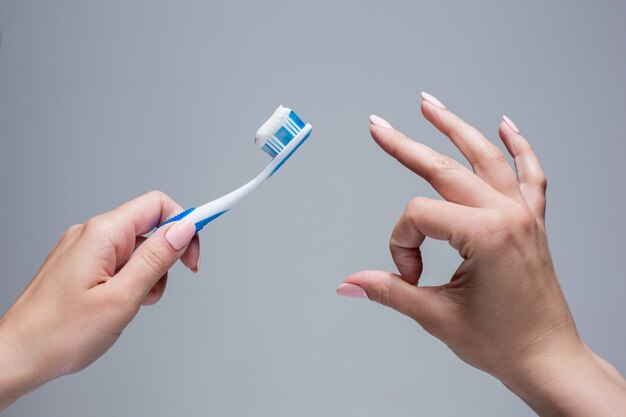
(487, 161)
(452, 180)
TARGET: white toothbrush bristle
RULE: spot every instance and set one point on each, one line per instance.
(282, 134)
(271, 126)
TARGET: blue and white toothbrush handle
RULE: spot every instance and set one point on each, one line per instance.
(200, 224)
(203, 215)
(206, 213)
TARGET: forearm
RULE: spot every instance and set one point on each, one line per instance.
(17, 376)
(581, 385)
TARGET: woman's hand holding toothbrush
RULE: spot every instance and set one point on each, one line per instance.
(503, 310)
(100, 273)
(90, 287)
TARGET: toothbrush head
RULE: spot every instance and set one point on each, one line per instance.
(281, 135)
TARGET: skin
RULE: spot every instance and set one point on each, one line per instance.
(89, 288)
(503, 310)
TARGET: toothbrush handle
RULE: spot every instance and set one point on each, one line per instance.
(179, 216)
(208, 212)
(199, 225)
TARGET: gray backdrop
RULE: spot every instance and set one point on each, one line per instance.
(104, 101)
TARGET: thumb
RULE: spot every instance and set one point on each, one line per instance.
(154, 257)
(426, 305)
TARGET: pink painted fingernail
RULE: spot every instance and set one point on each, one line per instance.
(180, 234)
(432, 100)
(380, 122)
(510, 123)
(351, 290)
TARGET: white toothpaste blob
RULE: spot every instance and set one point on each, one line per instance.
(271, 126)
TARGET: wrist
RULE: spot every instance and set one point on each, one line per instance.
(570, 382)
(18, 374)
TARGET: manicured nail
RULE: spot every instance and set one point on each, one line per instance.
(351, 290)
(380, 122)
(180, 234)
(432, 100)
(510, 123)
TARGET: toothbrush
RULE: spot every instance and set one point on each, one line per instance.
(280, 136)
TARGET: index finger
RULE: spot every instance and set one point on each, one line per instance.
(436, 219)
(452, 180)
(146, 212)
(140, 216)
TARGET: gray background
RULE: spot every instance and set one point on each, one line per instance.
(103, 101)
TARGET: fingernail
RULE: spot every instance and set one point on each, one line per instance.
(432, 100)
(198, 263)
(380, 122)
(180, 234)
(510, 123)
(351, 290)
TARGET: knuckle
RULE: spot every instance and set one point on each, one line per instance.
(542, 182)
(444, 163)
(525, 222)
(416, 205)
(494, 154)
(493, 233)
(514, 224)
(454, 127)
(74, 230)
(157, 195)
(395, 148)
(499, 225)
(384, 294)
(153, 257)
(162, 199)
(96, 225)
